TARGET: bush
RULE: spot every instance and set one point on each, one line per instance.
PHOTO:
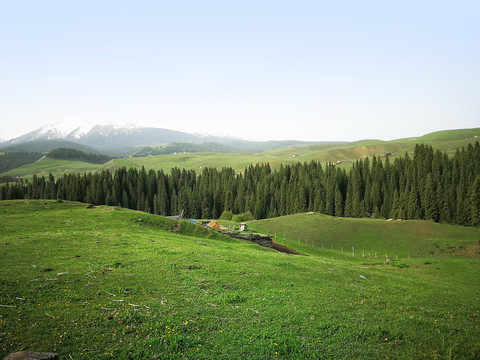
(226, 215)
(246, 216)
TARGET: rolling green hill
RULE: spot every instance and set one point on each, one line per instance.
(402, 239)
(45, 165)
(104, 282)
(447, 141)
(195, 161)
(12, 160)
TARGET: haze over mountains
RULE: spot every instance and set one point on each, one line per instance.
(122, 140)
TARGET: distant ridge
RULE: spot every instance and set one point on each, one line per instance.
(45, 145)
(196, 156)
(124, 140)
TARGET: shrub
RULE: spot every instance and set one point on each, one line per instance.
(226, 215)
(246, 216)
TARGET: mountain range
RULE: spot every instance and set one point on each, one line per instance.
(124, 140)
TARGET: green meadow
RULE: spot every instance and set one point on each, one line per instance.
(57, 168)
(110, 283)
(395, 238)
(447, 141)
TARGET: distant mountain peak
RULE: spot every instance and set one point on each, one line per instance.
(74, 126)
(125, 139)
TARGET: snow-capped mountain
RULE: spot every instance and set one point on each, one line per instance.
(124, 140)
(73, 127)
(108, 138)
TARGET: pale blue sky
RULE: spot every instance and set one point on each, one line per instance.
(307, 70)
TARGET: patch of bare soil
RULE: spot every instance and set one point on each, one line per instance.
(176, 227)
(282, 248)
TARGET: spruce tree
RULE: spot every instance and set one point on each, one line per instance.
(430, 199)
(475, 202)
(338, 201)
(413, 207)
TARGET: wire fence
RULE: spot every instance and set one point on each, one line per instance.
(354, 251)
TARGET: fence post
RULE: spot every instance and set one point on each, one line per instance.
(353, 251)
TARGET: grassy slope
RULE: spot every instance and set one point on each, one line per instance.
(394, 238)
(195, 161)
(44, 166)
(447, 141)
(97, 283)
(444, 140)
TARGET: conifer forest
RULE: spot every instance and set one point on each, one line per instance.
(427, 185)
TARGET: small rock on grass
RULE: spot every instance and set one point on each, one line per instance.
(30, 355)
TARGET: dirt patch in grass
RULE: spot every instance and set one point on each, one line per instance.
(176, 227)
(282, 248)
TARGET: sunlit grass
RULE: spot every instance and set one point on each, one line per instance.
(101, 284)
(45, 166)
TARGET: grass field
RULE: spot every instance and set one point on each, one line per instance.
(45, 166)
(396, 238)
(447, 141)
(106, 283)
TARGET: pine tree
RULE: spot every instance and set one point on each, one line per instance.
(413, 207)
(161, 197)
(462, 216)
(475, 202)
(394, 208)
(338, 201)
(430, 199)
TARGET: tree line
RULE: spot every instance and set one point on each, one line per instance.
(11, 160)
(429, 185)
(74, 154)
(177, 148)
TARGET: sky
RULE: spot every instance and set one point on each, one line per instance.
(319, 70)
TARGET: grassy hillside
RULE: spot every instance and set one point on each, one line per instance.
(447, 141)
(111, 283)
(45, 165)
(412, 238)
(195, 161)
